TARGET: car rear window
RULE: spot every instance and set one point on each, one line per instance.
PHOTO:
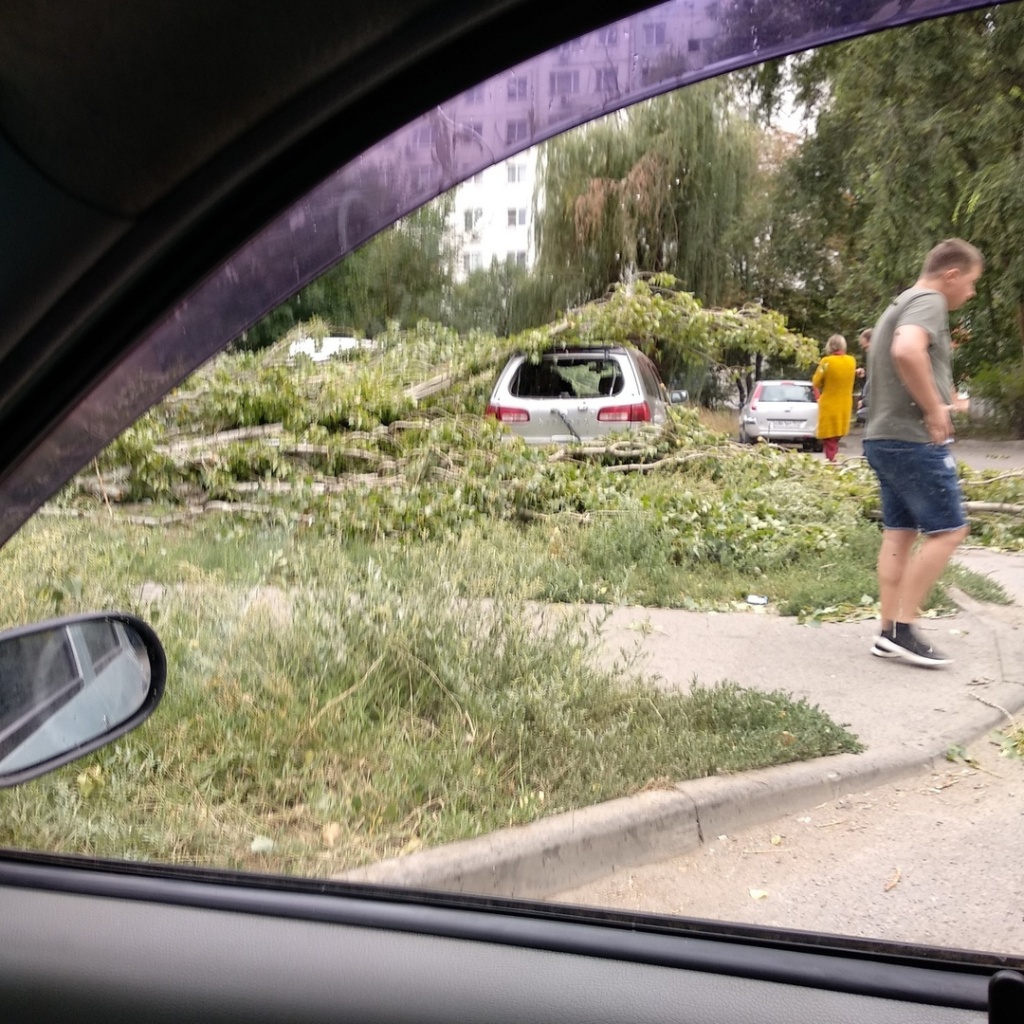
(787, 393)
(571, 377)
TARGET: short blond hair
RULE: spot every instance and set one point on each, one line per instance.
(835, 345)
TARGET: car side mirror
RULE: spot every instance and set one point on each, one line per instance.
(69, 686)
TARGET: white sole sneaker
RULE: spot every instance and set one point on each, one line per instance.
(921, 654)
(883, 647)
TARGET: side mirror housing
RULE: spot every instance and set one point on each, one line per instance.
(71, 685)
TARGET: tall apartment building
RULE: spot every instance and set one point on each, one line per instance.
(493, 209)
(494, 215)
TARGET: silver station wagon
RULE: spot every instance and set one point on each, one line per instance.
(578, 394)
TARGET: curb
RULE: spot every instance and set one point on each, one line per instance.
(577, 847)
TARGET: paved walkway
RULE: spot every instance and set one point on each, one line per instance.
(885, 702)
(907, 717)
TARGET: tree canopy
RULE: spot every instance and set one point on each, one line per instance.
(655, 189)
(918, 137)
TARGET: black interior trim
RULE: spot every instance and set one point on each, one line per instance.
(203, 221)
(617, 937)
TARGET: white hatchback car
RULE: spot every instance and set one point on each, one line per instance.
(578, 394)
(781, 411)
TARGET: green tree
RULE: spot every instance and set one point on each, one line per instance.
(501, 300)
(919, 136)
(656, 188)
(402, 275)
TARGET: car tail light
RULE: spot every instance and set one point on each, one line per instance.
(508, 414)
(639, 412)
(754, 397)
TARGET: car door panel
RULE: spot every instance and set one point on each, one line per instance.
(153, 947)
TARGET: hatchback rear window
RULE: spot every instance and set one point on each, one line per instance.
(568, 378)
(787, 393)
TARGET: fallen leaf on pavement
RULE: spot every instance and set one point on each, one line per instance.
(893, 882)
(759, 894)
(776, 840)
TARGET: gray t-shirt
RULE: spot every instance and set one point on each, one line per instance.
(893, 414)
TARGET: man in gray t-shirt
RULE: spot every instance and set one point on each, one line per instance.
(894, 413)
(908, 430)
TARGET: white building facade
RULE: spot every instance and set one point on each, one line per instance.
(493, 216)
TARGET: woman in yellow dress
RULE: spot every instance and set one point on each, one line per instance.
(834, 378)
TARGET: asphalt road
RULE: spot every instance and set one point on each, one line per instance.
(934, 860)
(978, 454)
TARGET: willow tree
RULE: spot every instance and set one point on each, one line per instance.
(653, 189)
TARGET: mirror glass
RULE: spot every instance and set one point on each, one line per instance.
(64, 684)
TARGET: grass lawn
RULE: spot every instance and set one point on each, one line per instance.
(345, 704)
(337, 696)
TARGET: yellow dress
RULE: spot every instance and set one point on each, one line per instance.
(834, 378)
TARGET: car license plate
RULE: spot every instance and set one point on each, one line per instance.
(786, 424)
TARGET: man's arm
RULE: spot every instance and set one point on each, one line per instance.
(913, 364)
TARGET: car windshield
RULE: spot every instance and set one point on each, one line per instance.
(787, 393)
(640, 672)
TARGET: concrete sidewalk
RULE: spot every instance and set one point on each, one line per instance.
(907, 718)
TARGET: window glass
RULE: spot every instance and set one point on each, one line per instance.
(787, 393)
(568, 377)
(19, 692)
(343, 546)
(101, 640)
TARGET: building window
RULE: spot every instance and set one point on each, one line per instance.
(516, 173)
(478, 178)
(608, 36)
(518, 258)
(518, 88)
(516, 131)
(694, 45)
(607, 80)
(475, 95)
(654, 34)
(472, 217)
(563, 83)
(424, 136)
(516, 216)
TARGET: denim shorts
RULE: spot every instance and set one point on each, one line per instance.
(920, 488)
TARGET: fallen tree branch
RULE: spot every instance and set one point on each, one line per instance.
(222, 437)
(994, 506)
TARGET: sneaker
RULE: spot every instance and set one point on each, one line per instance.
(883, 647)
(903, 643)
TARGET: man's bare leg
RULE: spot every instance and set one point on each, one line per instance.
(906, 576)
(924, 568)
(893, 559)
